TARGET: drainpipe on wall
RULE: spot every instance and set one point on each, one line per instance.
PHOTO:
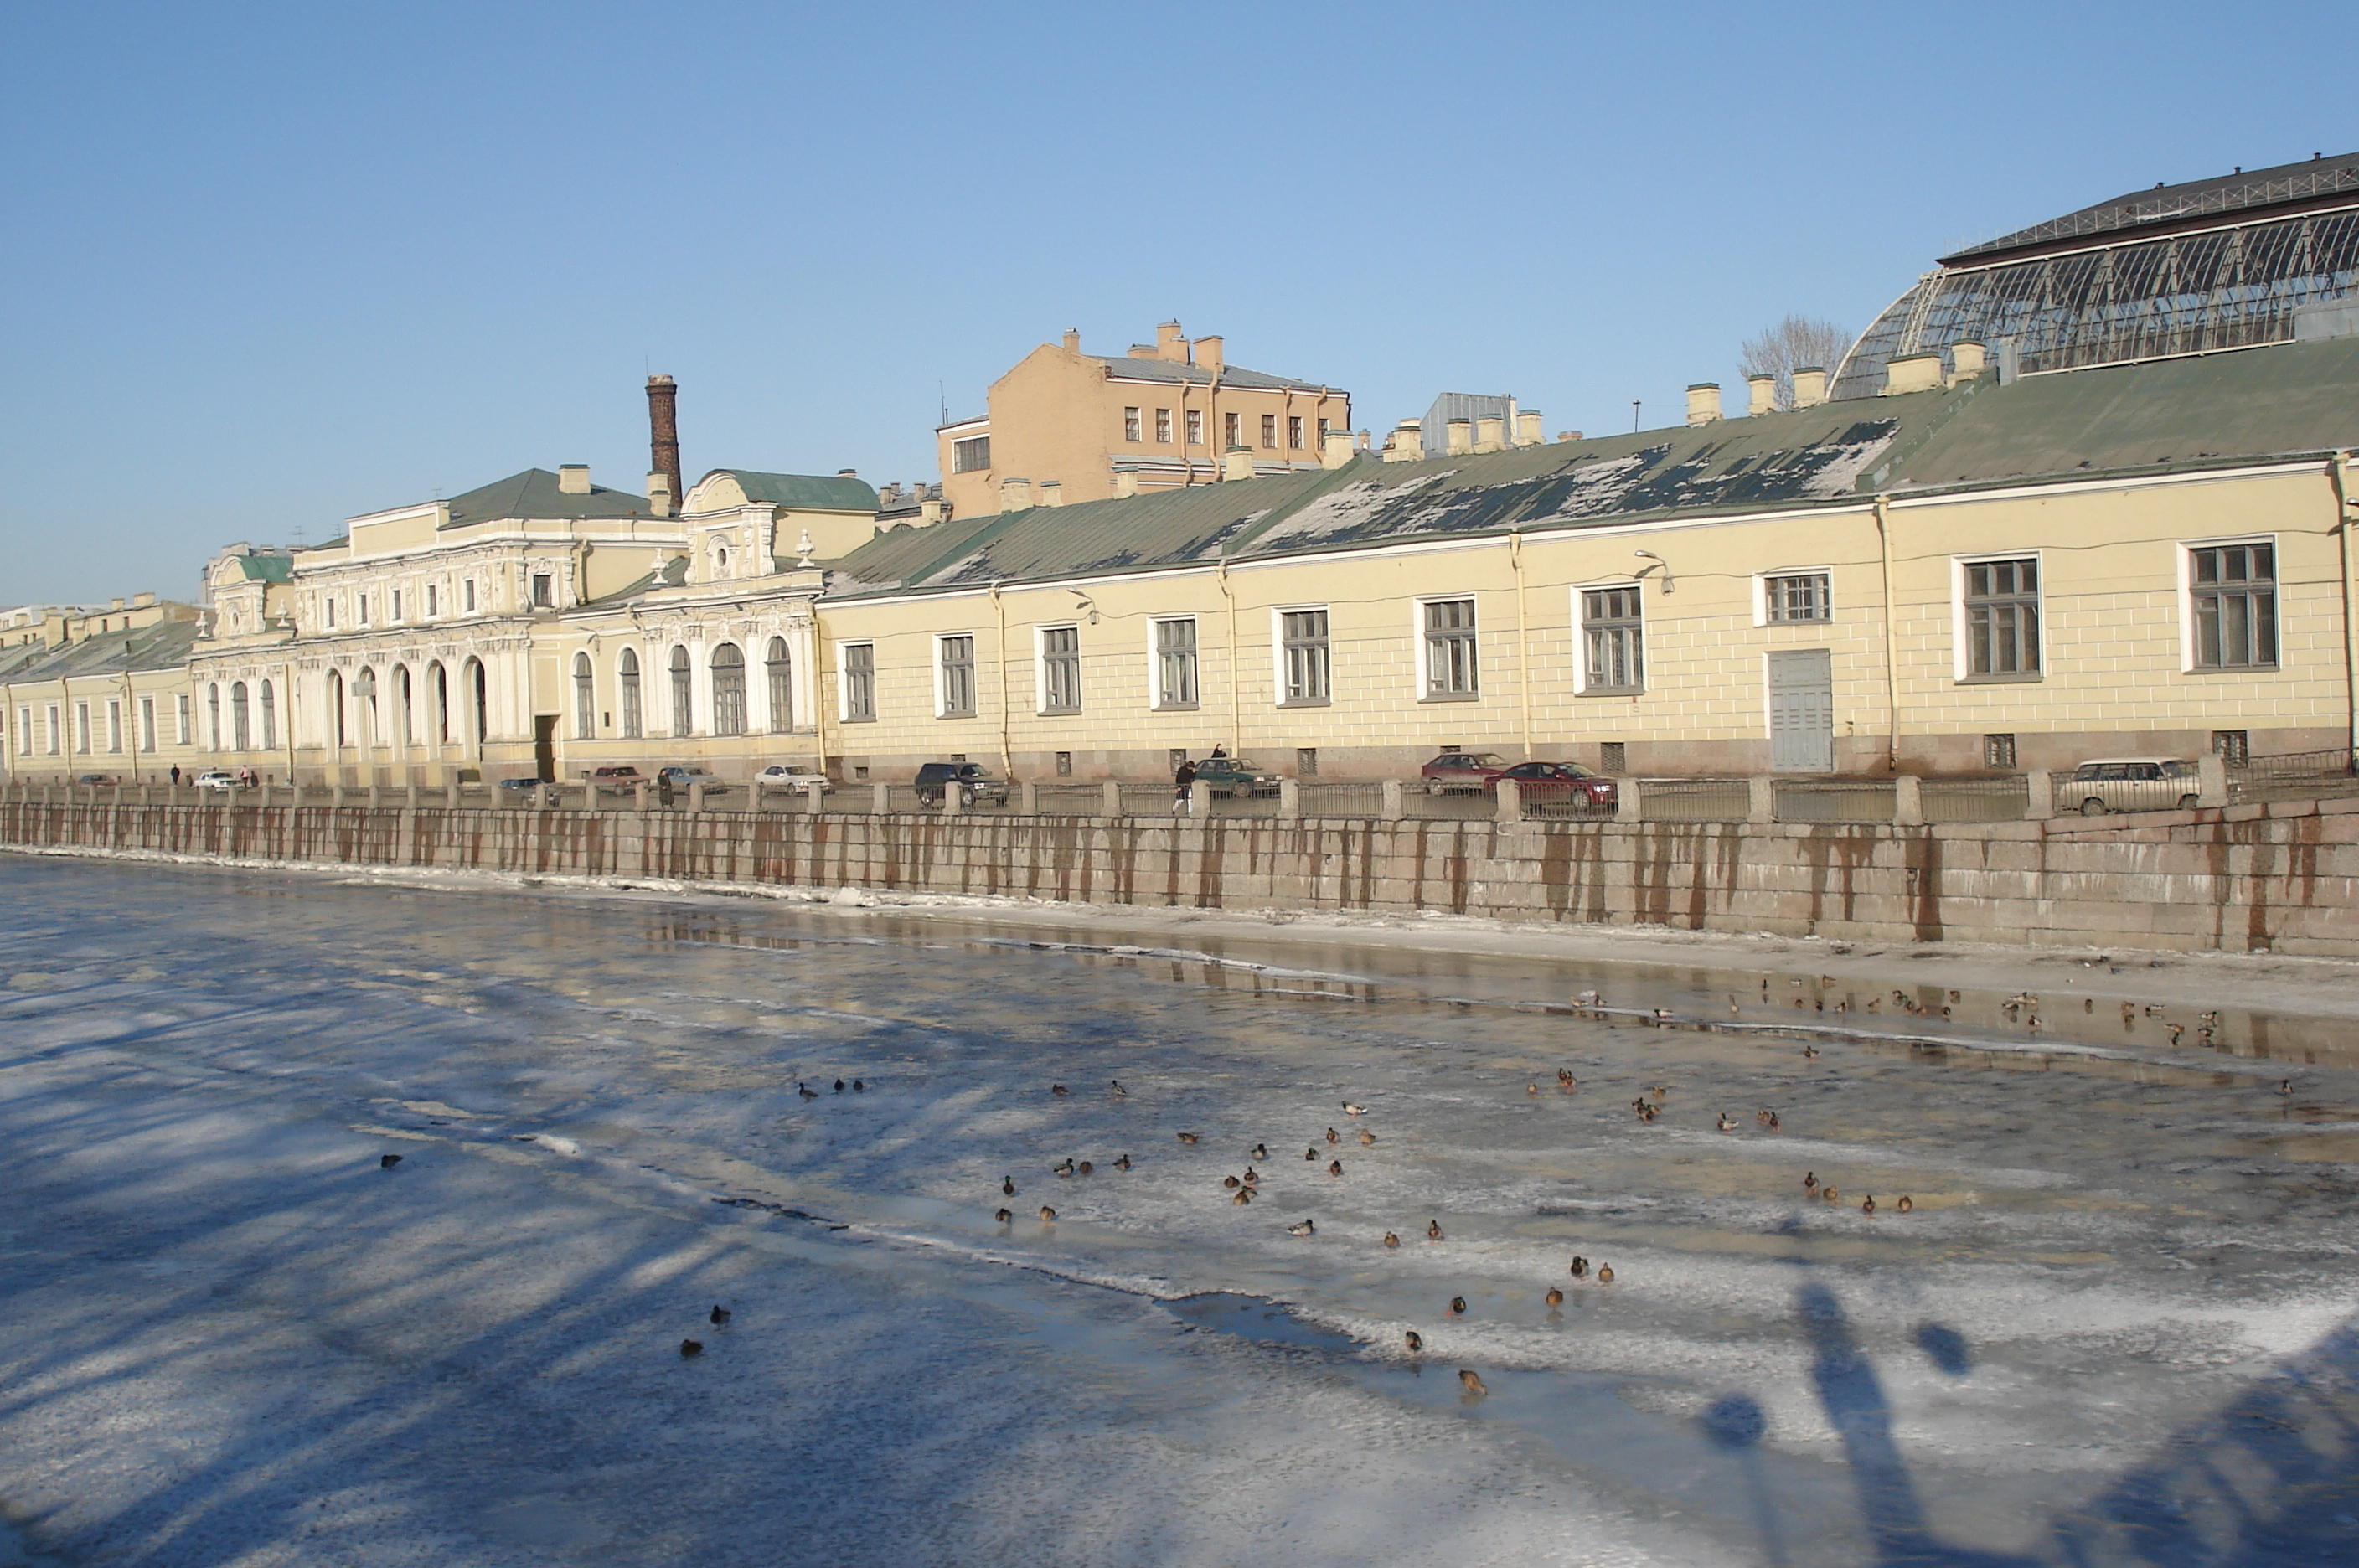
(818, 690)
(2346, 515)
(1237, 725)
(1891, 666)
(1523, 639)
(999, 608)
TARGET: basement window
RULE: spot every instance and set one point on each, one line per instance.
(2232, 745)
(1064, 765)
(1998, 751)
(1613, 756)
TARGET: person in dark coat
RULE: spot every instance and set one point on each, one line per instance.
(1182, 782)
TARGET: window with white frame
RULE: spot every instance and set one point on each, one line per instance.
(683, 693)
(2001, 611)
(1614, 640)
(1195, 427)
(2231, 595)
(433, 598)
(1450, 666)
(180, 706)
(1175, 662)
(1060, 670)
(780, 668)
(328, 612)
(626, 670)
(362, 615)
(1130, 432)
(727, 664)
(115, 724)
(1294, 433)
(1305, 655)
(859, 681)
(57, 731)
(1163, 427)
(1231, 429)
(82, 729)
(956, 661)
(25, 730)
(397, 604)
(146, 725)
(1269, 432)
(1796, 596)
(467, 595)
(972, 455)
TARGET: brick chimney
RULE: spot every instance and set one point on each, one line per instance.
(663, 432)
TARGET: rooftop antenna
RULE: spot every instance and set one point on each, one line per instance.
(1634, 415)
(943, 396)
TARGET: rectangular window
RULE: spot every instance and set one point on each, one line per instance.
(1294, 433)
(181, 719)
(1195, 427)
(1232, 430)
(972, 455)
(1163, 427)
(363, 616)
(146, 724)
(431, 596)
(25, 731)
(467, 595)
(1130, 425)
(1800, 597)
(1998, 751)
(1612, 755)
(1449, 662)
(1309, 661)
(1613, 636)
(958, 677)
(57, 730)
(1060, 670)
(1270, 431)
(1064, 765)
(2232, 745)
(82, 729)
(114, 724)
(2003, 617)
(859, 681)
(328, 611)
(397, 604)
(1305, 762)
(542, 596)
(1175, 663)
(2232, 590)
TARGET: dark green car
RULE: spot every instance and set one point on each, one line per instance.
(1234, 775)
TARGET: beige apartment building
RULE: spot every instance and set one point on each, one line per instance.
(1067, 426)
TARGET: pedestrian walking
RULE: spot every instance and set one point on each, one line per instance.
(1183, 785)
(663, 789)
(176, 776)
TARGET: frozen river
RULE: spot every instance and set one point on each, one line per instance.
(2114, 1325)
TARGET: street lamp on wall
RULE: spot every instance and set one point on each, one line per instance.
(1658, 560)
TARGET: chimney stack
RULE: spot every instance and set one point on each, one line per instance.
(1406, 444)
(663, 432)
(1760, 394)
(1072, 340)
(1238, 462)
(1052, 492)
(1912, 373)
(1528, 428)
(1170, 343)
(1810, 386)
(1207, 353)
(574, 479)
(1965, 361)
(1126, 482)
(1014, 494)
(1335, 449)
(1458, 437)
(1703, 403)
(660, 499)
(1491, 434)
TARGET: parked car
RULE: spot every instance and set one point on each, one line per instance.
(215, 778)
(1567, 782)
(620, 776)
(1234, 776)
(98, 779)
(785, 774)
(2105, 784)
(1462, 770)
(686, 779)
(519, 786)
(974, 785)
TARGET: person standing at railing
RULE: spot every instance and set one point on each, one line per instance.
(1183, 783)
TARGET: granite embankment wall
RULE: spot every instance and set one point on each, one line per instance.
(2280, 877)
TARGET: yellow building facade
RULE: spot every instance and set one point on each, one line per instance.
(1064, 425)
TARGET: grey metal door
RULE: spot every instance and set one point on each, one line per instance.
(1801, 710)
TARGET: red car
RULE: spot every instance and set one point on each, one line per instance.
(1462, 771)
(1567, 783)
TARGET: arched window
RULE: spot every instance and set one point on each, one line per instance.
(213, 713)
(728, 690)
(364, 705)
(336, 707)
(628, 669)
(478, 697)
(585, 699)
(782, 688)
(240, 734)
(269, 719)
(404, 720)
(683, 704)
(437, 696)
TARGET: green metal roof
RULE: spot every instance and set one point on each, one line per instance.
(534, 494)
(266, 567)
(2211, 412)
(809, 492)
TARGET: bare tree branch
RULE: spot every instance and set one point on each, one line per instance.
(1798, 342)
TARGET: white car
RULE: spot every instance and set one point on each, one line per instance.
(2105, 784)
(780, 774)
(215, 778)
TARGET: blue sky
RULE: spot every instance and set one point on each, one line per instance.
(268, 267)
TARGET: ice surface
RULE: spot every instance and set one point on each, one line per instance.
(2116, 1327)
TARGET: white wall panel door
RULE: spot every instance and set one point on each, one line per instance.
(1801, 710)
